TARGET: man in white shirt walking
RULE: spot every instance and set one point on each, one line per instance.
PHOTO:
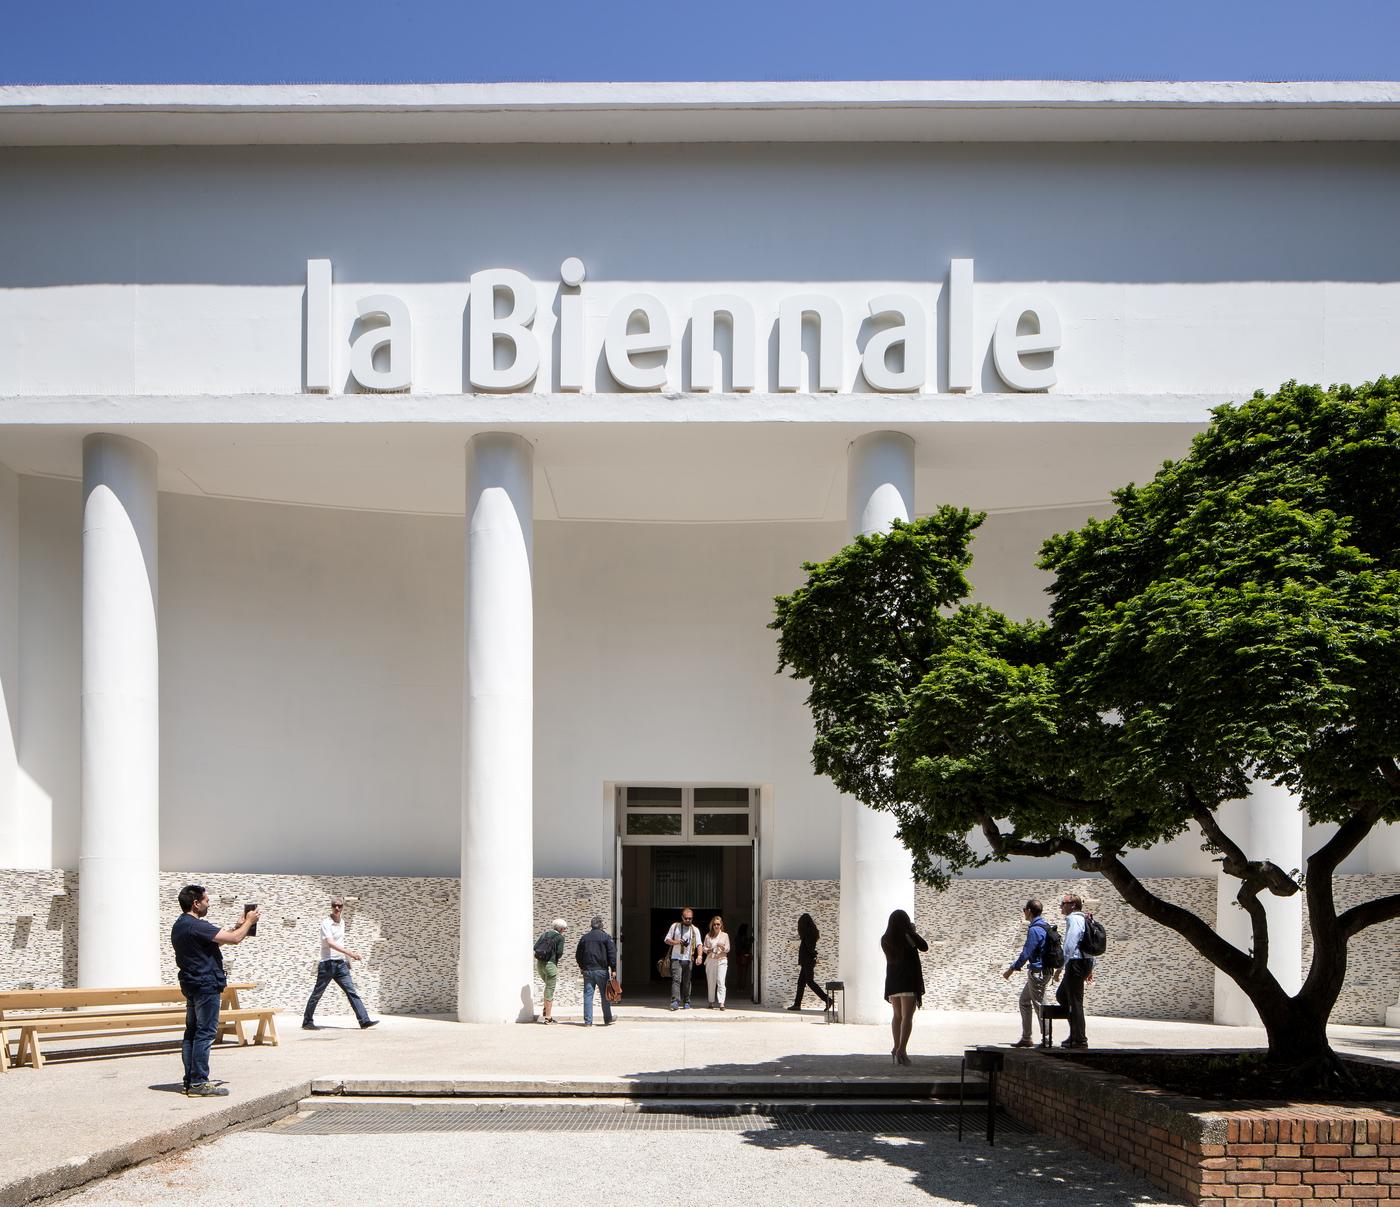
(334, 967)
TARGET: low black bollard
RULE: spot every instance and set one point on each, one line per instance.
(990, 1062)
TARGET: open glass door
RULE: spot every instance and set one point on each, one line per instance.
(756, 973)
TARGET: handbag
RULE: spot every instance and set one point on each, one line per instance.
(663, 966)
(613, 990)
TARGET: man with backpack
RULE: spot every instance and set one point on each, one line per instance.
(1041, 955)
(549, 950)
(1079, 966)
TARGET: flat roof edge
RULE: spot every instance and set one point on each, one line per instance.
(1028, 110)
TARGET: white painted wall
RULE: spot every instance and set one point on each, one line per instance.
(311, 683)
(1164, 261)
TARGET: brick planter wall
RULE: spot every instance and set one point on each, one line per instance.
(1211, 1154)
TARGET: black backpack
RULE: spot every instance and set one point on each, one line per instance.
(1094, 941)
(1052, 954)
(545, 945)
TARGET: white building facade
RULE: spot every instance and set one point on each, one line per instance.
(395, 482)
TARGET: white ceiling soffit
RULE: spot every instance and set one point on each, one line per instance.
(879, 111)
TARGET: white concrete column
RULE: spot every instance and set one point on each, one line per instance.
(494, 972)
(119, 847)
(876, 871)
(11, 854)
(1267, 825)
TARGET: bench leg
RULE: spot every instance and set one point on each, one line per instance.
(29, 1049)
(4, 1051)
(267, 1030)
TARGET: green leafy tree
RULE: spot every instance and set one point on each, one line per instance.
(1235, 619)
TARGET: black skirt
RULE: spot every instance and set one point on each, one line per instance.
(905, 975)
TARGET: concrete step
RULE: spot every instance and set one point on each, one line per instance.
(826, 1087)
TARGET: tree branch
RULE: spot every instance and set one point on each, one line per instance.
(1254, 872)
(1248, 897)
(1368, 913)
(1235, 963)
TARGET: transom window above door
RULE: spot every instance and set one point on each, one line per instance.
(686, 812)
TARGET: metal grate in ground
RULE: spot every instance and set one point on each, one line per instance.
(341, 1121)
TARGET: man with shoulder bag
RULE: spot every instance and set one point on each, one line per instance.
(597, 960)
(684, 941)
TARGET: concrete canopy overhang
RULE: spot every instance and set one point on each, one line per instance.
(824, 111)
(677, 471)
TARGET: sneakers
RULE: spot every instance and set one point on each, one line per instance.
(368, 1023)
(205, 1089)
(311, 1026)
(1075, 1043)
(1023, 1043)
(687, 1005)
(675, 1005)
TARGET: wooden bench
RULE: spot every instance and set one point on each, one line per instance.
(92, 1013)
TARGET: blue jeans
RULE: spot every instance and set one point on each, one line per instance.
(595, 978)
(201, 1025)
(339, 972)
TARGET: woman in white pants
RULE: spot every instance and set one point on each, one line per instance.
(716, 944)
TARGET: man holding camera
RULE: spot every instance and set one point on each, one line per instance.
(333, 967)
(196, 942)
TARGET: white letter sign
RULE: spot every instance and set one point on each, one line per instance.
(396, 335)
(1008, 347)
(512, 328)
(620, 346)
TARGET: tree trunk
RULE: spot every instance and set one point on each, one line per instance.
(1298, 1046)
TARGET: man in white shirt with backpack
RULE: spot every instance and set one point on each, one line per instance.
(1078, 969)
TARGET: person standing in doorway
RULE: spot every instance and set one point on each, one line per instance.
(684, 941)
(549, 950)
(597, 960)
(716, 954)
(904, 979)
(1078, 968)
(1031, 957)
(334, 967)
(202, 981)
(807, 936)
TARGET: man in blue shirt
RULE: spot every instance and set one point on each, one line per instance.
(1033, 993)
(202, 981)
(1078, 968)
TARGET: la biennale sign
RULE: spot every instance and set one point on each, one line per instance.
(504, 346)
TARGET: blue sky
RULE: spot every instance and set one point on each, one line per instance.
(260, 41)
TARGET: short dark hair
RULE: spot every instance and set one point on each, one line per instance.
(189, 895)
(1035, 907)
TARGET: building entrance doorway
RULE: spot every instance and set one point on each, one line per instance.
(679, 845)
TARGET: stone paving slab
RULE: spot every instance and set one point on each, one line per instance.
(79, 1118)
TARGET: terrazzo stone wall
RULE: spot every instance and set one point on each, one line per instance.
(1373, 956)
(976, 929)
(38, 929)
(784, 901)
(405, 928)
(576, 901)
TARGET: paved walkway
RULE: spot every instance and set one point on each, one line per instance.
(81, 1118)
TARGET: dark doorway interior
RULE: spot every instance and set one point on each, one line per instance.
(657, 882)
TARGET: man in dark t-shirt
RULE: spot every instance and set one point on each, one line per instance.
(196, 943)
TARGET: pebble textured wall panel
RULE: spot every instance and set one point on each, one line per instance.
(1373, 958)
(784, 901)
(38, 929)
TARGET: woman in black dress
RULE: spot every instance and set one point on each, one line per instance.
(904, 979)
(807, 936)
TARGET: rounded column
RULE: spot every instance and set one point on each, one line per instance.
(494, 972)
(1267, 825)
(876, 870)
(119, 846)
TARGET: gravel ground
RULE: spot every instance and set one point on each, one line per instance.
(268, 1169)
